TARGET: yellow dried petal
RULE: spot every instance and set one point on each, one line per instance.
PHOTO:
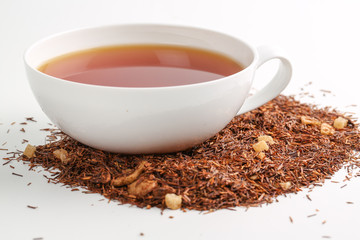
(126, 180)
(285, 185)
(260, 146)
(340, 123)
(310, 121)
(30, 151)
(141, 187)
(267, 139)
(62, 154)
(261, 155)
(173, 201)
(326, 129)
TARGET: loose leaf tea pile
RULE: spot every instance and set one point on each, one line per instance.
(276, 149)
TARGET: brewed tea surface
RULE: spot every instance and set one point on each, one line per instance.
(141, 66)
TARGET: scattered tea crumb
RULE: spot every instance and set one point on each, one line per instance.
(12, 123)
(30, 119)
(16, 174)
(29, 184)
(326, 237)
(312, 215)
(22, 130)
(171, 217)
(32, 207)
(350, 202)
(325, 91)
(323, 222)
(7, 162)
(343, 186)
(308, 197)
(291, 219)
(141, 234)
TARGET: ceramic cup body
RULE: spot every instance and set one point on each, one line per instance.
(151, 119)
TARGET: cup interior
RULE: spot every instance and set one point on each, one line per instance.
(82, 39)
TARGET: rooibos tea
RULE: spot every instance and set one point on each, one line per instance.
(141, 66)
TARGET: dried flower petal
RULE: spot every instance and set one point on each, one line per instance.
(340, 123)
(62, 154)
(126, 180)
(261, 155)
(173, 201)
(326, 129)
(142, 187)
(30, 151)
(267, 139)
(285, 185)
(260, 146)
(310, 121)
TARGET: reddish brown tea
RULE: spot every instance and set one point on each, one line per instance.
(141, 66)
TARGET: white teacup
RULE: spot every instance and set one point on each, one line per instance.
(149, 119)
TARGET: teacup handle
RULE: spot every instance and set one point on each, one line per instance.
(275, 86)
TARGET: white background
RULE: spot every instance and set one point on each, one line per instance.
(322, 40)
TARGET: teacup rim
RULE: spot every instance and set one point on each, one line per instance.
(44, 39)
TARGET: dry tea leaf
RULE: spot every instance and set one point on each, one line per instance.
(267, 139)
(260, 146)
(216, 174)
(173, 201)
(142, 187)
(326, 129)
(126, 180)
(30, 151)
(340, 123)
(310, 121)
(62, 154)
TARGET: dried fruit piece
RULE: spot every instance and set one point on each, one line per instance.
(285, 185)
(173, 201)
(142, 187)
(260, 146)
(340, 123)
(261, 155)
(101, 177)
(126, 180)
(326, 129)
(310, 121)
(268, 139)
(62, 154)
(30, 151)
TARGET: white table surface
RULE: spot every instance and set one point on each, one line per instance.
(322, 40)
